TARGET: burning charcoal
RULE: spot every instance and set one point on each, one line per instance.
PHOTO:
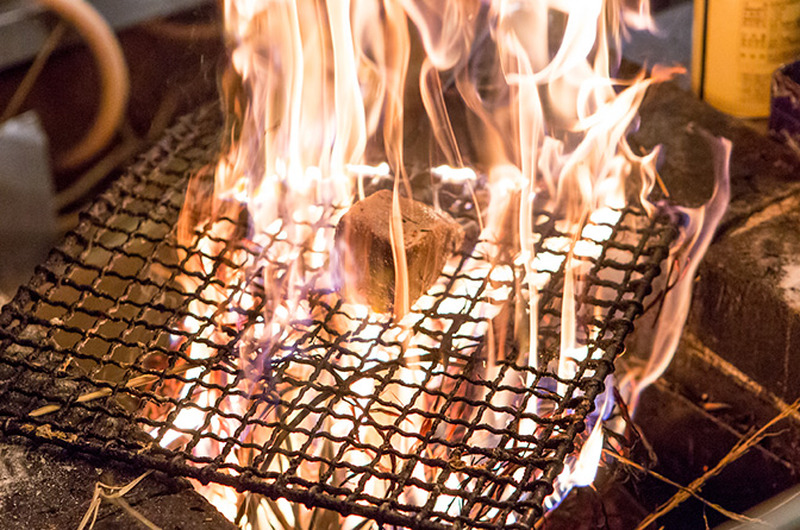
(472, 231)
(364, 262)
(421, 180)
(378, 183)
(447, 198)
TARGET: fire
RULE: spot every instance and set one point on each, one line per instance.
(523, 113)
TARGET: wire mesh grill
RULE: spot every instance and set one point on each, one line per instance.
(110, 350)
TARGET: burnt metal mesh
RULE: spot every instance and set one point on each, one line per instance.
(130, 345)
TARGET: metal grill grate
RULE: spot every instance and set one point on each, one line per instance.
(107, 344)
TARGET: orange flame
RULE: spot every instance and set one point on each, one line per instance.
(519, 91)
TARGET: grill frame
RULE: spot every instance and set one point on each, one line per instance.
(30, 361)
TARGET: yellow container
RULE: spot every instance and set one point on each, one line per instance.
(737, 45)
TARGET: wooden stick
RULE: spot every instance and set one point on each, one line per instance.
(741, 447)
(727, 513)
(104, 392)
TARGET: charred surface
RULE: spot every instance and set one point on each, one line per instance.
(364, 250)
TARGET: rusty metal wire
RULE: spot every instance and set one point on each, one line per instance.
(99, 353)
